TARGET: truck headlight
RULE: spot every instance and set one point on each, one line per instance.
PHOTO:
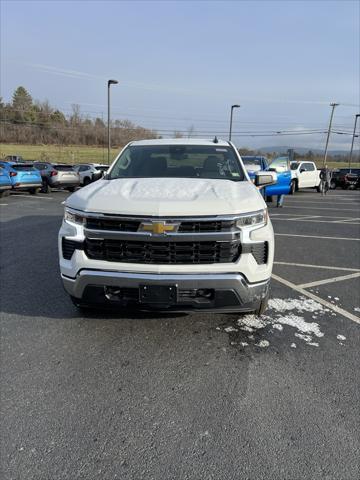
(71, 216)
(253, 219)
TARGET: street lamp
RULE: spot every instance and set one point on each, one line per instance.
(231, 119)
(333, 105)
(352, 143)
(110, 82)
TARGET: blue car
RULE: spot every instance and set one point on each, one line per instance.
(23, 176)
(280, 165)
(5, 182)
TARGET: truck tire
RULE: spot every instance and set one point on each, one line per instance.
(318, 188)
(71, 189)
(34, 191)
(333, 185)
(292, 187)
(86, 181)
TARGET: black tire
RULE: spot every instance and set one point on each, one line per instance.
(82, 307)
(333, 185)
(71, 189)
(262, 306)
(318, 189)
(34, 191)
(86, 181)
(270, 198)
(292, 187)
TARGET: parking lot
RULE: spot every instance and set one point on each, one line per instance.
(180, 396)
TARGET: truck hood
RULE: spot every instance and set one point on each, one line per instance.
(167, 197)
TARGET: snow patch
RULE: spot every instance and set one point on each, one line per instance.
(293, 345)
(301, 304)
(357, 309)
(340, 337)
(278, 327)
(263, 344)
(252, 321)
(230, 329)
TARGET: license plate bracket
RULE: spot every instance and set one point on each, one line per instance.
(158, 294)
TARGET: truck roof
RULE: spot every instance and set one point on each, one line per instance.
(182, 141)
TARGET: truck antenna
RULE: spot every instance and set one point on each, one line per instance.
(216, 140)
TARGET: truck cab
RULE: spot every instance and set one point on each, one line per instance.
(305, 175)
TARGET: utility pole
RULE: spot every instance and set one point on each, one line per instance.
(353, 138)
(231, 119)
(333, 105)
(109, 83)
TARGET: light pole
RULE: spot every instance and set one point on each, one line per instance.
(110, 82)
(353, 138)
(231, 119)
(333, 105)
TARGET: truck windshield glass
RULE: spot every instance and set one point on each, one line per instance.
(179, 161)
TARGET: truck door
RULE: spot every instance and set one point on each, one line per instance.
(307, 175)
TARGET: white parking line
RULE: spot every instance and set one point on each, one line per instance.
(4, 204)
(317, 221)
(32, 197)
(327, 267)
(320, 203)
(329, 280)
(327, 304)
(317, 236)
(321, 208)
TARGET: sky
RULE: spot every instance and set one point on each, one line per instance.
(182, 64)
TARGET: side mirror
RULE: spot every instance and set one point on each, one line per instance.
(262, 179)
(302, 170)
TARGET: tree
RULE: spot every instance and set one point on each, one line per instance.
(21, 105)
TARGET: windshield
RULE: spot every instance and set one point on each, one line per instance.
(252, 164)
(179, 161)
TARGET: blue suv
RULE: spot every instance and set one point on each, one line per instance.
(23, 176)
(5, 182)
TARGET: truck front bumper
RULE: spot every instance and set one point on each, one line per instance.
(220, 292)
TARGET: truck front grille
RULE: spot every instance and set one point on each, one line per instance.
(163, 252)
(132, 225)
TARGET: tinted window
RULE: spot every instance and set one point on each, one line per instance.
(23, 167)
(181, 161)
(64, 168)
(309, 167)
(294, 165)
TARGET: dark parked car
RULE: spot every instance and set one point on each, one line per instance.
(345, 178)
(47, 171)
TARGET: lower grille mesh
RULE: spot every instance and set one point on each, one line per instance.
(163, 252)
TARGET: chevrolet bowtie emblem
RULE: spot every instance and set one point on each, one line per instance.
(158, 228)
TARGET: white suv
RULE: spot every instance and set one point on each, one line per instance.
(175, 224)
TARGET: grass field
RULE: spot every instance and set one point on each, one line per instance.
(58, 153)
(82, 154)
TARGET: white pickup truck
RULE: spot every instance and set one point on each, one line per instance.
(304, 175)
(175, 225)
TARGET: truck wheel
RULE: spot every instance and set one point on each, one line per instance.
(71, 189)
(34, 191)
(86, 181)
(270, 198)
(292, 187)
(318, 188)
(262, 306)
(82, 307)
(332, 185)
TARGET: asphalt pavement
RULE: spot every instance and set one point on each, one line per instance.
(184, 396)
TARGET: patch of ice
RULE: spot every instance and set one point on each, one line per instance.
(230, 329)
(329, 296)
(252, 321)
(340, 337)
(293, 345)
(357, 309)
(300, 324)
(278, 327)
(263, 344)
(247, 329)
(313, 344)
(301, 304)
(244, 344)
(306, 338)
(336, 298)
